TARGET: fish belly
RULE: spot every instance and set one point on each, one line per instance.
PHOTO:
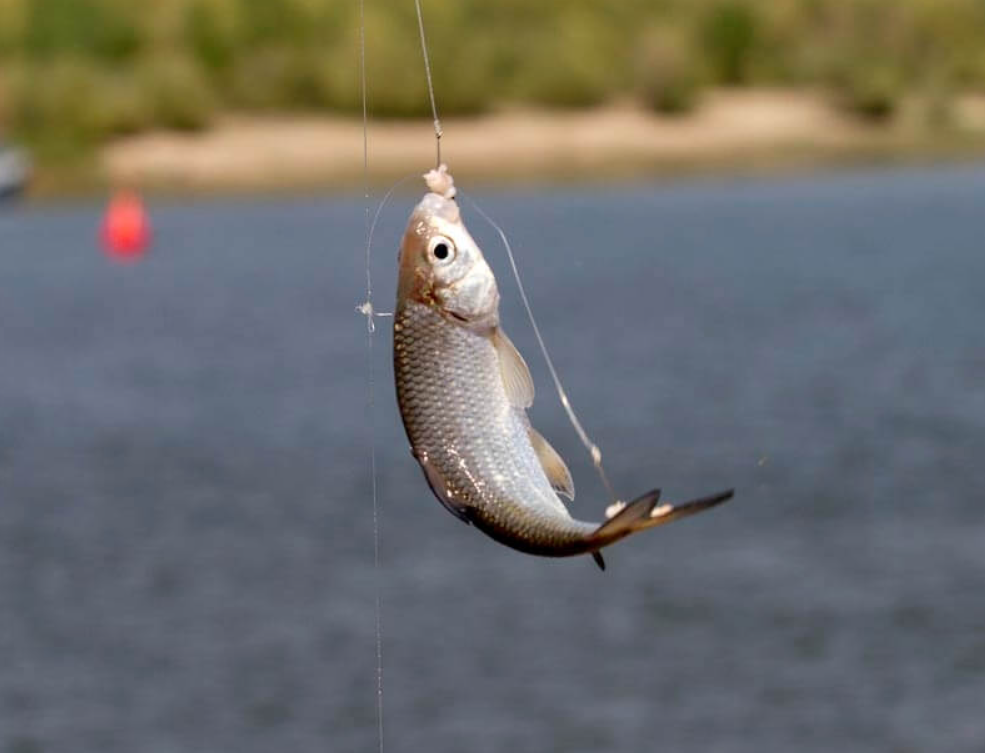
(459, 421)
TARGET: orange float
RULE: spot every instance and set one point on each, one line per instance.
(125, 231)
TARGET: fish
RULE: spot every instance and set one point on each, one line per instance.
(463, 391)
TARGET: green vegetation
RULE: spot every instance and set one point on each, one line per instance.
(77, 72)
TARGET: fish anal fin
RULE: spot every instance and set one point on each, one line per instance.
(446, 496)
(516, 376)
(597, 556)
(553, 464)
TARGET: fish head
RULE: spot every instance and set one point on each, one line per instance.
(442, 266)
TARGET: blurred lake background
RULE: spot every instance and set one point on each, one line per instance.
(186, 523)
(186, 543)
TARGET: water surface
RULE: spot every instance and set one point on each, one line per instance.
(186, 528)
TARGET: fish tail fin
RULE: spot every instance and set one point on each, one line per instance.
(645, 512)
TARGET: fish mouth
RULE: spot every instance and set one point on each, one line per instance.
(433, 205)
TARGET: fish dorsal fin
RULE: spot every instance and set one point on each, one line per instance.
(553, 465)
(516, 376)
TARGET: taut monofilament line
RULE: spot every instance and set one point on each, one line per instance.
(593, 449)
(427, 72)
(370, 398)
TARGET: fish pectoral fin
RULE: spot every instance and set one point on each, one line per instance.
(446, 496)
(516, 376)
(553, 464)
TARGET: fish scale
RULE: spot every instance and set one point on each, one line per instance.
(459, 419)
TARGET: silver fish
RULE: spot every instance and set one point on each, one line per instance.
(463, 390)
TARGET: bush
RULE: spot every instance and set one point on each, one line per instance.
(394, 67)
(13, 16)
(668, 71)
(178, 92)
(872, 91)
(56, 99)
(576, 63)
(88, 28)
(119, 105)
(210, 31)
(729, 33)
(274, 78)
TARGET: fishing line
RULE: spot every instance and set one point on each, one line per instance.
(370, 399)
(427, 71)
(593, 449)
(366, 308)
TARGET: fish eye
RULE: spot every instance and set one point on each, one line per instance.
(441, 249)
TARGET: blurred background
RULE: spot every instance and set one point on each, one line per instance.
(751, 232)
(104, 91)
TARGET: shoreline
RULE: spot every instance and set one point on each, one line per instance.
(733, 131)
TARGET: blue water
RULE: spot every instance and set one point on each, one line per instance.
(186, 529)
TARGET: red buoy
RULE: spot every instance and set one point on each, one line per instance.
(126, 229)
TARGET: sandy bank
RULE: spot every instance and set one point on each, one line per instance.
(736, 129)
